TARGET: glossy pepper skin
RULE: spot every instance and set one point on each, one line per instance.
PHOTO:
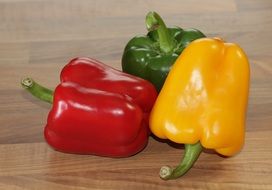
(97, 110)
(91, 73)
(203, 102)
(151, 56)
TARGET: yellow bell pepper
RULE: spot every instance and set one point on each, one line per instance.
(203, 102)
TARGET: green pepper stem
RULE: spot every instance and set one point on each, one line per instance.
(192, 152)
(37, 90)
(154, 22)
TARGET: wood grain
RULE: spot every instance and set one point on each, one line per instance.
(37, 38)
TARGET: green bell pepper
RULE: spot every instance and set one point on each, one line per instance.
(151, 56)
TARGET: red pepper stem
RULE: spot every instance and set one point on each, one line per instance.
(154, 22)
(192, 152)
(37, 90)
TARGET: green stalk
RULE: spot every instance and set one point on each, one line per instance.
(154, 22)
(37, 90)
(192, 152)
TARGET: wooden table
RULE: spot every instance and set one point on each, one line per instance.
(37, 38)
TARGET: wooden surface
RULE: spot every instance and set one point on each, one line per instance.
(37, 38)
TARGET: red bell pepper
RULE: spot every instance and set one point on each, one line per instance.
(97, 110)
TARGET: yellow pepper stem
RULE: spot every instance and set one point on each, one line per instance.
(192, 152)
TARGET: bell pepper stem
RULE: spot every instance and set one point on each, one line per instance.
(37, 90)
(192, 152)
(154, 22)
